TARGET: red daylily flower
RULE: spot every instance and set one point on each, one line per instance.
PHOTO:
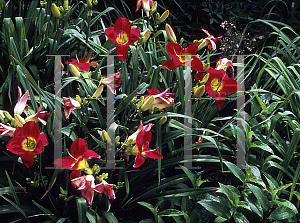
(219, 84)
(182, 57)
(70, 105)
(210, 41)
(87, 187)
(112, 81)
(146, 5)
(84, 65)
(22, 102)
(27, 142)
(143, 139)
(7, 130)
(79, 154)
(225, 63)
(162, 99)
(39, 116)
(122, 35)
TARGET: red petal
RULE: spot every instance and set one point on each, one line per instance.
(111, 34)
(171, 64)
(30, 129)
(90, 153)
(174, 49)
(84, 66)
(122, 52)
(134, 36)
(43, 139)
(192, 48)
(197, 64)
(122, 24)
(220, 103)
(230, 86)
(153, 154)
(199, 76)
(27, 159)
(65, 162)
(106, 189)
(88, 58)
(88, 195)
(139, 160)
(15, 145)
(78, 148)
(153, 91)
(75, 174)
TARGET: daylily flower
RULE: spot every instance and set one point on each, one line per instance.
(210, 41)
(70, 105)
(6, 130)
(87, 187)
(112, 81)
(182, 57)
(84, 65)
(225, 63)
(143, 139)
(219, 84)
(22, 102)
(39, 116)
(27, 142)
(162, 99)
(146, 5)
(122, 35)
(79, 154)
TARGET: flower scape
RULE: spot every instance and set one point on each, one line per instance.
(109, 115)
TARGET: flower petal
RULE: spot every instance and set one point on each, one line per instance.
(105, 188)
(122, 52)
(65, 162)
(79, 148)
(197, 64)
(27, 159)
(112, 34)
(153, 154)
(139, 160)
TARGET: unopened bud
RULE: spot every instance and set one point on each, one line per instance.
(154, 7)
(20, 121)
(13, 123)
(78, 98)
(7, 115)
(162, 120)
(88, 171)
(98, 92)
(148, 102)
(66, 4)
(170, 33)
(2, 116)
(205, 67)
(96, 168)
(55, 11)
(202, 44)
(181, 41)
(199, 91)
(145, 37)
(74, 70)
(89, 3)
(164, 16)
(157, 16)
(106, 136)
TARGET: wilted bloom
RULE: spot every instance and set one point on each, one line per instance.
(182, 57)
(225, 63)
(87, 187)
(22, 102)
(83, 65)
(146, 5)
(112, 81)
(162, 99)
(143, 139)
(70, 105)
(218, 84)
(210, 41)
(122, 35)
(27, 142)
(6, 130)
(79, 154)
(39, 116)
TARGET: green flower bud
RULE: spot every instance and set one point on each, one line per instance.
(148, 102)
(162, 120)
(199, 91)
(66, 4)
(164, 16)
(88, 171)
(89, 3)
(20, 121)
(7, 115)
(74, 71)
(55, 11)
(170, 33)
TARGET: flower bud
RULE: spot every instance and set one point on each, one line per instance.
(19, 120)
(170, 33)
(13, 123)
(98, 92)
(55, 11)
(96, 168)
(106, 136)
(181, 41)
(157, 16)
(202, 44)
(66, 4)
(148, 102)
(78, 98)
(145, 37)
(153, 8)
(88, 171)
(7, 115)
(89, 3)
(199, 91)
(162, 120)
(95, 2)
(117, 140)
(164, 16)
(2, 116)
(74, 70)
